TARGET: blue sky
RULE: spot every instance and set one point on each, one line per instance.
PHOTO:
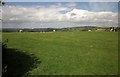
(55, 14)
(103, 6)
(61, 0)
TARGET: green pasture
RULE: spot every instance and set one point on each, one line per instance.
(66, 53)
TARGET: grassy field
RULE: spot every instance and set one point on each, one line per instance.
(68, 53)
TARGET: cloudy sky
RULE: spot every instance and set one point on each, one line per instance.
(59, 14)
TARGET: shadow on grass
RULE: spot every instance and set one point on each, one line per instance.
(18, 63)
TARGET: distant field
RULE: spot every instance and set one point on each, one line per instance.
(69, 53)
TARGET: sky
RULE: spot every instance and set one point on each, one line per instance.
(59, 14)
(61, 0)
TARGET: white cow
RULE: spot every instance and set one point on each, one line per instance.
(54, 30)
(20, 30)
(89, 30)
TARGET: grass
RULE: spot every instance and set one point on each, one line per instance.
(69, 53)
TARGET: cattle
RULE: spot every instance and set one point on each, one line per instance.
(54, 30)
(89, 30)
(20, 30)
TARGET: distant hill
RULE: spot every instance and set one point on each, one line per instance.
(69, 29)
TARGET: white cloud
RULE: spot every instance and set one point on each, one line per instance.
(87, 16)
(50, 14)
(71, 4)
